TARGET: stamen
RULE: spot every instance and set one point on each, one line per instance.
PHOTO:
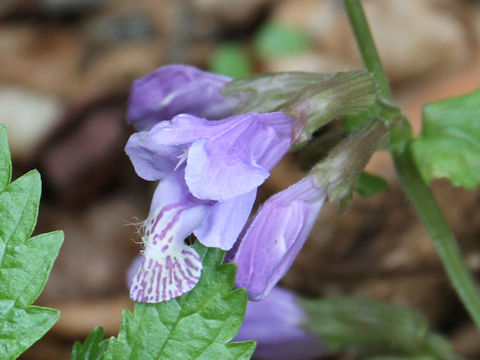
(182, 158)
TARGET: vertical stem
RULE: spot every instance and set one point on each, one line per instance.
(417, 191)
(366, 45)
(443, 238)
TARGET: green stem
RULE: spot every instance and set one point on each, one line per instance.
(444, 240)
(417, 191)
(366, 45)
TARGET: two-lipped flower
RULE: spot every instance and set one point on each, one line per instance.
(210, 163)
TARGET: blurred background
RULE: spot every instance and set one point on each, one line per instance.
(65, 71)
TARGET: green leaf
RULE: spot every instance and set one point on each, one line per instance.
(196, 325)
(93, 347)
(5, 163)
(344, 322)
(449, 145)
(24, 263)
(368, 184)
(374, 330)
(275, 39)
(231, 59)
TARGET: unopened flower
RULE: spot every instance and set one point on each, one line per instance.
(176, 89)
(275, 236)
(211, 170)
(276, 325)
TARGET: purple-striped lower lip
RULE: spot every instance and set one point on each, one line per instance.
(170, 267)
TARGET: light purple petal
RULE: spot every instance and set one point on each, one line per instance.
(237, 159)
(157, 152)
(275, 324)
(175, 89)
(170, 268)
(298, 349)
(221, 176)
(173, 190)
(225, 158)
(275, 319)
(133, 268)
(151, 159)
(225, 220)
(275, 237)
(184, 129)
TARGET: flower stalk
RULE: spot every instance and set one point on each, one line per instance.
(366, 45)
(443, 238)
(417, 191)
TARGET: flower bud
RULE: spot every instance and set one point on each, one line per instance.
(175, 89)
(275, 324)
(275, 236)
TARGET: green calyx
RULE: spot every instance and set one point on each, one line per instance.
(312, 99)
(343, 94)
(340, 170)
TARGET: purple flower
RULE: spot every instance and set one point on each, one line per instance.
(211, 170)
(275, 236)
(176, 89)
(275, 324)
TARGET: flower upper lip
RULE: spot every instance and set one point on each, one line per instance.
(224, 158)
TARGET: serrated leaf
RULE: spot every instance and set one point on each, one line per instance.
(21, 327)
(93, 348)
(25, 267)
(368, 184)
(19, 208)
(231, 59)
(449, 145)
(196, 325)
(24, 263)
(5, 162)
